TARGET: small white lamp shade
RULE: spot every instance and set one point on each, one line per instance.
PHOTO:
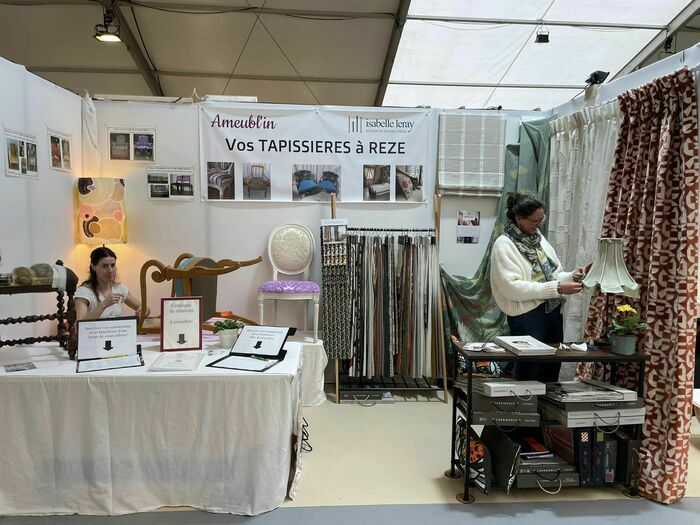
(609, 271)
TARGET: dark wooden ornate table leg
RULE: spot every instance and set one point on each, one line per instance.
(72, 341)
(61, 316)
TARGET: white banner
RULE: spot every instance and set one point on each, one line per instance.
(307, 153)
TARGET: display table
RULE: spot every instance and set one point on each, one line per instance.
(129, 440)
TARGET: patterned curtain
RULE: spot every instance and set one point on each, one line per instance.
(652, 202)
(470, 312)
(583, 147)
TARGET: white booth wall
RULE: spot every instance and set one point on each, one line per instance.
(39, 215)
(36, 215)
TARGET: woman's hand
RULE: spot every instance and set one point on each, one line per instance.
(110, 300)
(580, 273)
(568, 288)
(139, 309)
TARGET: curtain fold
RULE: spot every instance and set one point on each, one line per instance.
(470, 313)
(652, 202)
(582, 152)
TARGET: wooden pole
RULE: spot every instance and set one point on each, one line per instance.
(441, 326)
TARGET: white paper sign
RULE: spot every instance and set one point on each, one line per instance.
(170, 183)
(20, 155)
(260, 340)
(181, 323)
(468, 227)
(111, 337)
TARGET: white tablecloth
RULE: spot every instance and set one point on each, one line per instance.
(312, 373)
(129, 440)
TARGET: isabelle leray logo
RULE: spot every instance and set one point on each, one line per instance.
(355, 124)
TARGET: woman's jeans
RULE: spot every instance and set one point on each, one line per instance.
(546, 327)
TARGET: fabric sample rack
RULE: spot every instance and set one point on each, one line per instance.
(381, 310)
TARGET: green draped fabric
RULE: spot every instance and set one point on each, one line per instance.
(470, 312)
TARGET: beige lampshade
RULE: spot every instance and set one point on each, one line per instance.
(101, 211)
(609, 272)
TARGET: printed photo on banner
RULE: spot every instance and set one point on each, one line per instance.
(134, 144)
(256, 181)
(409, 183)
(59, 151)
(21, 155)
(170, 182)
(377, 182)
(468, 224)
(220, 181)
(318, 181)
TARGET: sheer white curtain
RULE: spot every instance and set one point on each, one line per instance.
(581, 157)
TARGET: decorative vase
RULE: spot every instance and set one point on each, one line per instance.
(624, 344)
(227, 338)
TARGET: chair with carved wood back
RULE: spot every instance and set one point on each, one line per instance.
(190, 276)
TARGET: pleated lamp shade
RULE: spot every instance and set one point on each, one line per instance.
(609, 272)
(101, 211)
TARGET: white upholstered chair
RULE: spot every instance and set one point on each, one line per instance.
(291, 250)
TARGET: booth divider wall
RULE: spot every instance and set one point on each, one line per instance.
(37, 221)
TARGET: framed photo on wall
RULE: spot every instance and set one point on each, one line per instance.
(59, 150)
(181, 323)
(135, 144)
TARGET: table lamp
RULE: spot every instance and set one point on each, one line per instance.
(101, 211)
(609, 274)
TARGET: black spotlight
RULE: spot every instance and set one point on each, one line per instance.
(542, 36)
(597, 77)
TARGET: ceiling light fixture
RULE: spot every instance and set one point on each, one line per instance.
(542, 34)
(107, 32)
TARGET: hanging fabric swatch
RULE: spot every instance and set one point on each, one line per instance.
(393, 283)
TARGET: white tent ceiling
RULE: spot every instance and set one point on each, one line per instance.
(444, 53)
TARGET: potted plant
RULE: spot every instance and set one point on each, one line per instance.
(228, 331)
(626, 327)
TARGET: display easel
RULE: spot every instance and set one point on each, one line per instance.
(439, 318)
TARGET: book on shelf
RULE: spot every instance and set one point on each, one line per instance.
(603, 418)
(524, 345)
(588, 391)
(595, 405)
(502, 387)
(532, 448)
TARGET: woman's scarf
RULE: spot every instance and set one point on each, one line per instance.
(542, 266)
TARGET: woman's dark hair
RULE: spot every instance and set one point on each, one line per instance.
(95, 257)
(521, 205)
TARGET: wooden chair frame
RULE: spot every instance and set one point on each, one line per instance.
(163, 273)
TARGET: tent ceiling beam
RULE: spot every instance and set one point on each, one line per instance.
(134, 48)
(200, 74)
(390, 56)
(532, 22)
(486, 85)
(203, 7)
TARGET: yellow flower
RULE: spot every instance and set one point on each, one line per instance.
(623, 308)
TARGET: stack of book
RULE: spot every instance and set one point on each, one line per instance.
(505, 402)
(551, 472)
(589, 403)
(524, 345)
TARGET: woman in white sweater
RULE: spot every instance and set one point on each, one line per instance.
(528, 283)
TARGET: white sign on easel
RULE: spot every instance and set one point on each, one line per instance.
(105, 344)
(181, 323)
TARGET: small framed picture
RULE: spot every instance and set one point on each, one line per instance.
(181, 324)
